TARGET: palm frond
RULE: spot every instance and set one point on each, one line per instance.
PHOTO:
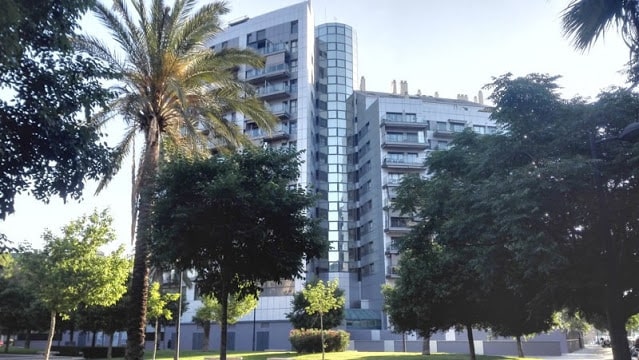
(120, 152)
(584, 21)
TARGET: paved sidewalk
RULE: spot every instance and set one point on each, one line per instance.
(590, 352)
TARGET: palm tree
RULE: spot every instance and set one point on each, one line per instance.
(171, 87)
(584, 21)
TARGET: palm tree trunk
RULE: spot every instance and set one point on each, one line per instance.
(47, 350)
(139, 282)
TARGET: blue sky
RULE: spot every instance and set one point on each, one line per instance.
(449, 47)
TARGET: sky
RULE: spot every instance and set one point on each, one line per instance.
(448, 47)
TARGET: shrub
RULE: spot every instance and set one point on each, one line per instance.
(100, 352)
(310, 340)
(66, 350)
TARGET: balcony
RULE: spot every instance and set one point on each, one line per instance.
(403, 163)
(272, 72)
(391, 181)
(271, 92)
(278, 133)
(406, 122)
(400, 225)
(392, 271)
(280, 110)
(392, 250)
(271, 49)
(404, 141)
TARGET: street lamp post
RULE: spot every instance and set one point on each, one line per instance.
(614, 312)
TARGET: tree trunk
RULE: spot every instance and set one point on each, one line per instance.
(224, 323)
(94, 335)
(520, 349)
(7, 335)
(139, 282)
(27, 339)
(155, 340)
(471, 342)
(207, 332)
(322, 333)
(178, 322)
(426, 346)
(47, 349)
(617, 325)
(110, 347)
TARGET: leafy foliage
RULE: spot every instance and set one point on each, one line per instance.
(211, 311)
(71, 269)
(301, 319)
(237, 222)
(53, 93)
(316, 340)
(541, 215)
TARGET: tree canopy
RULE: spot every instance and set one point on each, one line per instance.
(211, 311)
(238, 221)
(71, 269)
(542, 213)
(48, 143)
(301, 319)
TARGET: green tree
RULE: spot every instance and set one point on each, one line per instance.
(53, 92)
(237, 222)
(171, 86)
(157, 308)
(71, 270)
(544, 212)
(211, 312)
(585, 21)
(300, 319)
(321, 299)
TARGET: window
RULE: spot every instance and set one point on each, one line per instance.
(293, 66)
(491, 130)
(294, 46)
(442, 145)
(261, 35)
(441, 126)
(293, 107)
(395, 178)
(294, 26)
(479, 129)
(457, 127)
(399, 222)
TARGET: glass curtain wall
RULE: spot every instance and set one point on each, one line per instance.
(333, 86)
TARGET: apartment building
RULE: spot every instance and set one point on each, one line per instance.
(356, 146)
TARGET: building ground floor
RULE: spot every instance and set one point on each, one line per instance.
(274, 335)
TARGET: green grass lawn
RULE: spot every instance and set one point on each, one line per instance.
(346, 355)
(260, 355)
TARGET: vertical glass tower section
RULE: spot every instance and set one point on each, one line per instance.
(334, 84)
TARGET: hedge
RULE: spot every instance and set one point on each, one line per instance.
(310, 340)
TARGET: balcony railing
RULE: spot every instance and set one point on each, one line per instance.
(278, 132)
(404, 141)
(273, 91)
(405, 121)
(272, 71)
(280, 110)
(271, 49)
(392, 271)
(403, 162)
